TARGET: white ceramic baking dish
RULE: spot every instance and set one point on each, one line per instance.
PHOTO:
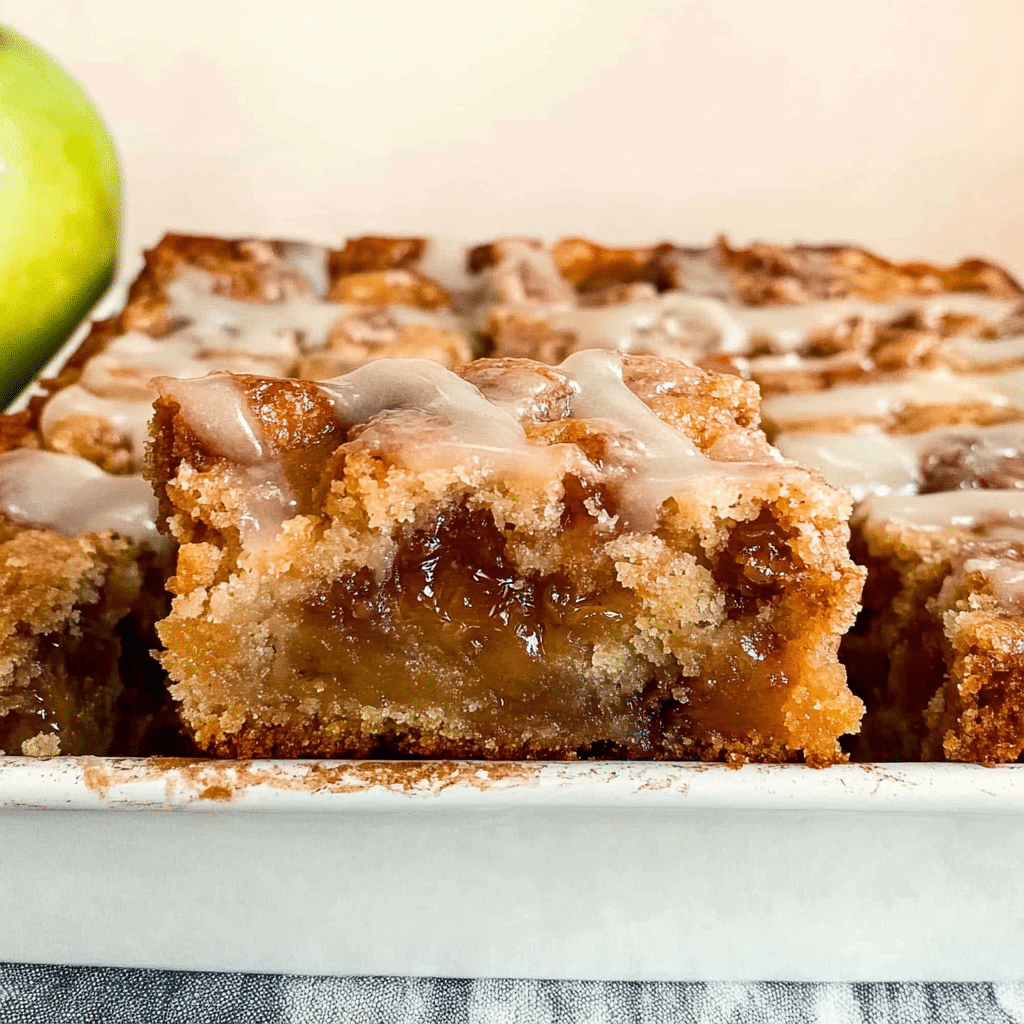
(587, 870)
(594, 870)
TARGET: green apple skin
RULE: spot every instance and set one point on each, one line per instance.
(60, 204)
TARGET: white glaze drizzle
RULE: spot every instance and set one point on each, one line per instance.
(863, 463)
(522, 271)
(477, 425)
(980, 354)
(190, 297)
(869, 462)
(310, 261)
(879, 400)
(789, 327)
(949, 509)
(218, 412)
(981, 532)
(702, 273)
(219, 324)
(527, 392)
(114, 386)
(669, 324)
(764, 368)
(71, 496)
(470, 430)
(128, 417)
(1004, 576)
(219, 334)
(125, 367)
(601, 394)
(444, 260)
(455, 426)
(681, 324)
(669, 463)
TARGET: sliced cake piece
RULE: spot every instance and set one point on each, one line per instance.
(80, 611)
(946, 607)
(71, 571)
(937, 464)
(600, 558)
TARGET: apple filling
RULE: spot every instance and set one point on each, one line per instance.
(939, 649)
(455, 650)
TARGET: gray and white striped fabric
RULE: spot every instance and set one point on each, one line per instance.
(55, 995)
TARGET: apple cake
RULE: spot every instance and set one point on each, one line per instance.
(903, 383)
(932, 448)
(508, 561)
(895, 380)
(74, 567)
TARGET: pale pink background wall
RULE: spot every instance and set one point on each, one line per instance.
(894, 122)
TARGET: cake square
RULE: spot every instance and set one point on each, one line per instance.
(936, 463)
(946, 607)
(61, 599)
(82, 574)
(510, 561)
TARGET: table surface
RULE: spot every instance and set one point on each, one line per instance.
(78, 994)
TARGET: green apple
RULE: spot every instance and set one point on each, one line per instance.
(60, 208)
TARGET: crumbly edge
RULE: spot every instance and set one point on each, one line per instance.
(54, 588)
(935, 655)
(978, 713)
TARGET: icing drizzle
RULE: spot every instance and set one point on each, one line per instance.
(455, 426)
(71, 496)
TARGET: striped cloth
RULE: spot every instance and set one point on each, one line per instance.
(55, 995)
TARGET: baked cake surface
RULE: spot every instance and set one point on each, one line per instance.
(896, 380)
(249, 306)
(604, 557)
(792, 319)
